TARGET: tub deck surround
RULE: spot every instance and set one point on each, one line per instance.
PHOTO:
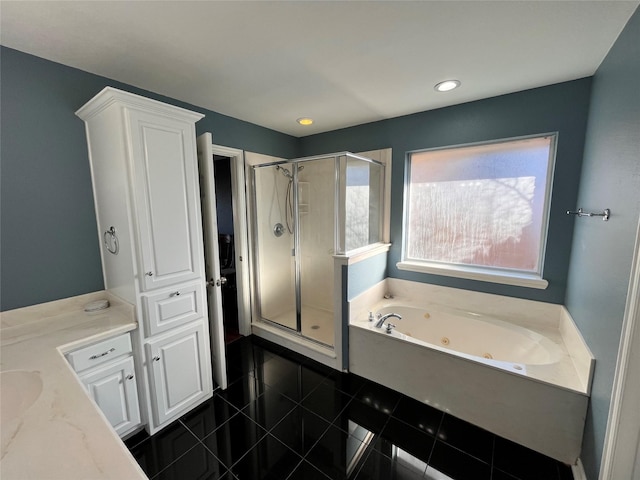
(573, 371)
(541, 403)
(538, 355)
(63, 434)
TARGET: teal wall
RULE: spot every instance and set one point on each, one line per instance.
(48, 241)
(365, 274)
(559, 108)
(48, 237)
(602, 252)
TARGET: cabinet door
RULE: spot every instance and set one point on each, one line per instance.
(179, 372)
(113, 388)
(166, 192)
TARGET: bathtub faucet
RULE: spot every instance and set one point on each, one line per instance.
(383, 318)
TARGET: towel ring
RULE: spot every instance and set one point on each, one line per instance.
(111, 241)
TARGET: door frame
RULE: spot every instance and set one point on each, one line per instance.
(240, 237)
(621, 446)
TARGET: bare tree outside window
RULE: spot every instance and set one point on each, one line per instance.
(481, 205)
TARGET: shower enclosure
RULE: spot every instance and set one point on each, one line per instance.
(305, 212)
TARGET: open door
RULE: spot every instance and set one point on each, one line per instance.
(212, 259)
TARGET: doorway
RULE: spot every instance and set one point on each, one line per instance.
(226, 253)
(226, 247)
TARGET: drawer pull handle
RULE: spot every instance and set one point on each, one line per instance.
(149, 274)
(174, 294)
(130, 377)
(95, 357)
(156, 358)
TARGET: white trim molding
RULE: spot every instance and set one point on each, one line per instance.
(472, 273)
(355, 256)
(578, 471)
(621, 450)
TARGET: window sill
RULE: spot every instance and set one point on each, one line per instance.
(516, 279)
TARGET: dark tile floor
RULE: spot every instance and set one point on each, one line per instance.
(287, 417)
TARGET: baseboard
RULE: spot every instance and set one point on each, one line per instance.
(578, 471)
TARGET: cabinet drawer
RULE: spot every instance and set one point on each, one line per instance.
(171, 308)
(100, 352)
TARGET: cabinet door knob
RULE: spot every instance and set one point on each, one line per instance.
(149, 274)
(156, 358)
(130, 377)
(175, 294)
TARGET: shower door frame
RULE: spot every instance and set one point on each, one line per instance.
(255, 256)
(338, 234)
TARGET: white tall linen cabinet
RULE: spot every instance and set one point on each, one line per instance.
(144, 171)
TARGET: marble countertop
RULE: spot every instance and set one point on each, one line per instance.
(63, 434)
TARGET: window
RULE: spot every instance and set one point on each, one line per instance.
(480, 211)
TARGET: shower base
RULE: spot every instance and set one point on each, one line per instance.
(317, 324)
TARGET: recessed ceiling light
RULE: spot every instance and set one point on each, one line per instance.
(447, 85)
(305, 121)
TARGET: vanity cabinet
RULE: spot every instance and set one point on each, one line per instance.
(146, 191)
(107, 371)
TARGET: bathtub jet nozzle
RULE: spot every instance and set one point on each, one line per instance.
(383, 318)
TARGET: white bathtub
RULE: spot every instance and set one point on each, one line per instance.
(473, 336)
(526, 379)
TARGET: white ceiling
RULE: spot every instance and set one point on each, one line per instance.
(342, 63)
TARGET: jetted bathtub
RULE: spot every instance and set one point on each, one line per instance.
(514, 367)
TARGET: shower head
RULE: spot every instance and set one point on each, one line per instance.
(287, 173)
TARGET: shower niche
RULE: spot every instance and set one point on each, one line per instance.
(306, 213)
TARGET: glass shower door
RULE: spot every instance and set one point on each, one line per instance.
(275, 242)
